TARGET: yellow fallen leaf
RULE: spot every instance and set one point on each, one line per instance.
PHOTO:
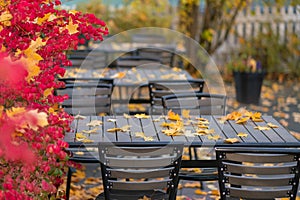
(139, 134)
(215, 137)
(173, 116)
(79, 153)
(242, 120)
(94, 123)
(87, 141)
(148, 138)
(186, 114)
(214, 192)
(232, 140)
(200, 192)
(201, 119)
(262, 128)
(119, 75)
(125, 128)
(272, 125)
(90, 131)
(141, 116)
(242, 134)
(79, 117)
(113, 129)
(126, 116)
(203, 126)
(80, 136)
(111, 120)
(193, 184)
(257, 120)
(206, 131)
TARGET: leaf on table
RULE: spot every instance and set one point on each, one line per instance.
(272, 125)
(205, 131)
(213, 137)
(242, 120)
(125, 128)
(186, 113)
(200, 192)
(141, 116)
(126, 116)
(203, 122)
(119, 75)
(172, 132)
(194, 184)
(142, 135)
(201, 119)
(203, 126)
(94, 130)
(111, 120)
(173, 116)
(87, 141)
(80, 117)
(262, 128)
(94, 123)
(158, 119)
(80, 136)
(241, 134)
(296, 135)
(235, 115)
(232, 140)
(114, 129)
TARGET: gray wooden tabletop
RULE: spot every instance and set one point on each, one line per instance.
(219, 133)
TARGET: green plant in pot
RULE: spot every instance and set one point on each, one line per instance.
(248, 77)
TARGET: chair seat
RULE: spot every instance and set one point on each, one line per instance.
(134, 195)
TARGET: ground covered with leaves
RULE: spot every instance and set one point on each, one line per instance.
(277, 99)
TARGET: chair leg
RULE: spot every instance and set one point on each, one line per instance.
(68, 184)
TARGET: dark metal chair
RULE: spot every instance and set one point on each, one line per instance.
(258, 173)
(165, 55)
(138, 170)
(89, 98)
(160, 88)
(198, 104)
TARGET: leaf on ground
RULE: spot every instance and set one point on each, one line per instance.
(272, 125)
(119, 75)
(200, 192)
(94, 123)
(193, 184)
(241, 134)
(262, 128)
(231, 140)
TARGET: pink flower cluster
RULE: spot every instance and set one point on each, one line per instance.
(34, 36)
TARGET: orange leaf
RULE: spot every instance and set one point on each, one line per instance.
(242, 120)
(242, 134)
(173, 116)
(232, 140)
(186, 114)
(272, 125)
(200, 192)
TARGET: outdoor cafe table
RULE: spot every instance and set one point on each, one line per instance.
(137, 130)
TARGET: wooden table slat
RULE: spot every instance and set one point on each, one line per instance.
(135, 128)
(122, 136)
(281, 131)
(109, 136)
(157, 124)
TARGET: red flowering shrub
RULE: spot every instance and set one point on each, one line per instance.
(34, 35)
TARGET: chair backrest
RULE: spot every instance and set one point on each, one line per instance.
(258, 173)
(87, 98)
(75, 80)
(140, 167)
(160, 88)
(166, 56)
(196, 103)
(136, 61)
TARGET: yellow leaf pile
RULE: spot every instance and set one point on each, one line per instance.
(242, 116)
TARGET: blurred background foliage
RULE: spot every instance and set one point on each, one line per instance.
(209, 22)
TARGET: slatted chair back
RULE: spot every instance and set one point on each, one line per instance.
(75, 80)
(258, 173)
(160, 88)
(87, 98)
(166, 56)
(137, 170)
(137, 61)
(196, 103)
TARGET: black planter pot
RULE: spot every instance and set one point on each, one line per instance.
(248, 86)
